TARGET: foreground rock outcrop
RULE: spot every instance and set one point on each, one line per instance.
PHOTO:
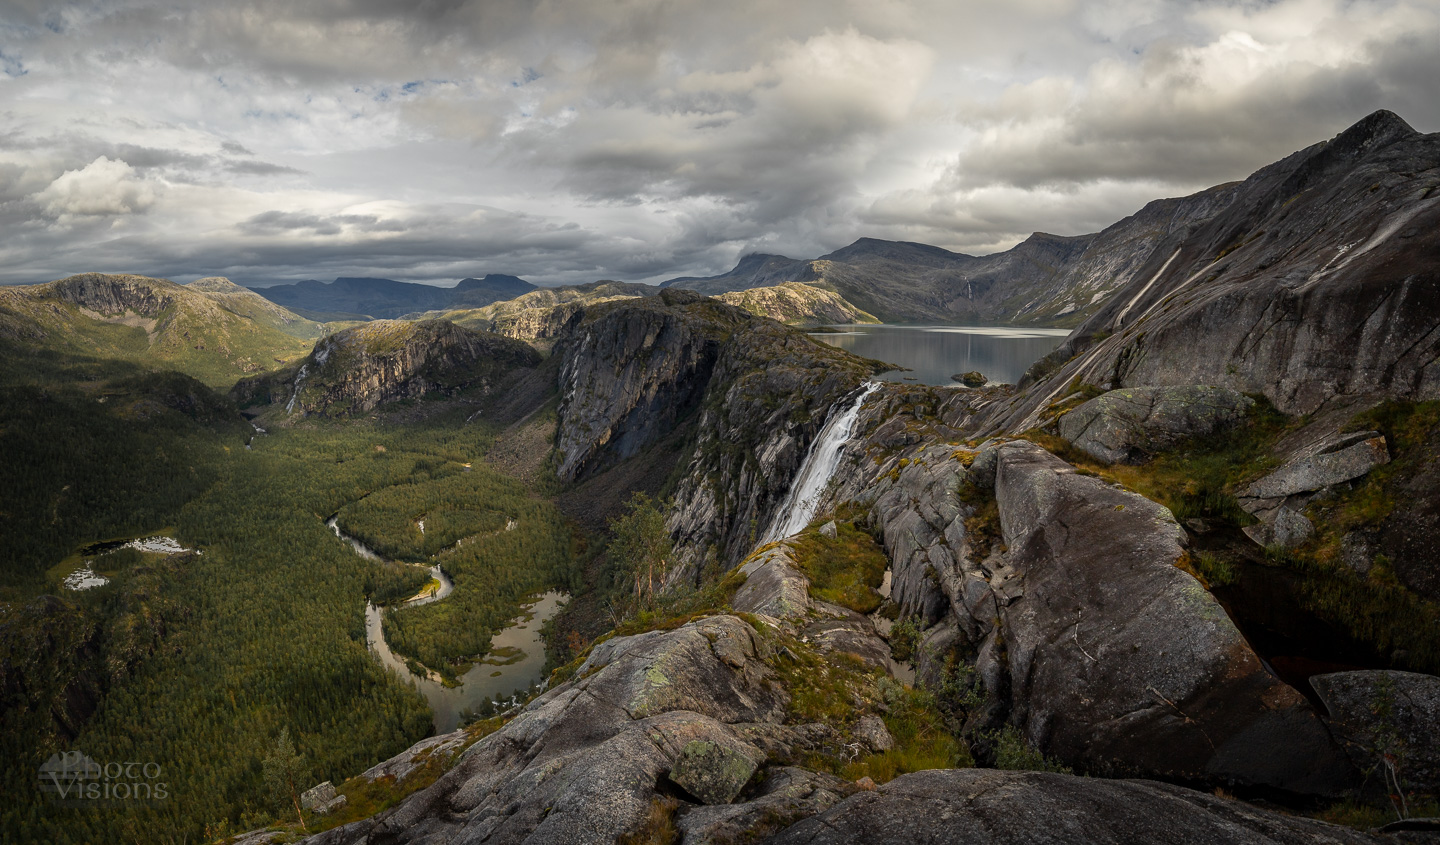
(987, 807)
(584, 761)
(1120, 661)
(1068, 598)
(1132, 424)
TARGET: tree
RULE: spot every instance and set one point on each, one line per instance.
(641, 546)
(283, 766)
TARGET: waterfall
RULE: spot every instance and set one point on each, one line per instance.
(819, 466)
(299, 380)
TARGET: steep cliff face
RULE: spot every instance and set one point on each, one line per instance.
(114, 295)
(756, 393)
(1321, 280)
(354, 371)
(629, 374)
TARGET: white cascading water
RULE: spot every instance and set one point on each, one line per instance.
(816, 471)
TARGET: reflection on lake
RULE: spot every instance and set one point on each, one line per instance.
(935, 353)
(484, 680)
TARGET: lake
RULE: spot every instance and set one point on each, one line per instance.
(935, 353)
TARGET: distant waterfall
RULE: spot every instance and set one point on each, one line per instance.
(819, 467)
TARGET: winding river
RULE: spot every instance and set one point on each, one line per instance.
(488, 678)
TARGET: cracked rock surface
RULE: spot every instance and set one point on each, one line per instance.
(989, 807)
(1131, 424)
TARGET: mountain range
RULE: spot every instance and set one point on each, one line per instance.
(1046, 280)
(352, 298)
(1177, 585)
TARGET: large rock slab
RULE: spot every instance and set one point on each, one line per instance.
(584, 761)
(773, 586)
(1279, 498)
(1347, 458)
(990, 807)
(786, 795)
(1120, 662)
(1130, 425)
(416, 756)
(715, 770)
(1386, 712)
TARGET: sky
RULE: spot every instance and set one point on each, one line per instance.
(567, 141)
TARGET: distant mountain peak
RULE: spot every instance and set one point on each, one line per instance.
(495, 281)
(216, 284)
(1376, 129)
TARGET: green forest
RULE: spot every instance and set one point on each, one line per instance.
(196, 662)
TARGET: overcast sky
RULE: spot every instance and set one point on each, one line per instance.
(574, 140)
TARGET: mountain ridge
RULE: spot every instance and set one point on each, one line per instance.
(1044, 280)
(376, 298)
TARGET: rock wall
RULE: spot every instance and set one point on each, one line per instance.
(756, 392)
(1320, 281)
(356, 370)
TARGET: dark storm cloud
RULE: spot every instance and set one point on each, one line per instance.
(567, 140)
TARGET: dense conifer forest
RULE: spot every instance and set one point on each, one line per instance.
(197, 661)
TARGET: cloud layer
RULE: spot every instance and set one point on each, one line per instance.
(568, 140)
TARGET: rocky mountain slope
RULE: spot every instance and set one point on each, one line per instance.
(356, 370)
(1319, 282)
(795, 304)
(363, 298)
(212, 330)
(1125, 568)
(247, 303)
(723, 729)
(541, 314)
(1046, 280)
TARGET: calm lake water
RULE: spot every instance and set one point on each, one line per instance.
(935, 353)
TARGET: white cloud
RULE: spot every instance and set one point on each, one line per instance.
(102, 187)
(568, 140)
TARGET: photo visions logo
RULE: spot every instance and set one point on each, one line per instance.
(71, 778)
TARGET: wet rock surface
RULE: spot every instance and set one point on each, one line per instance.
(988, 807)
(1132, 424)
